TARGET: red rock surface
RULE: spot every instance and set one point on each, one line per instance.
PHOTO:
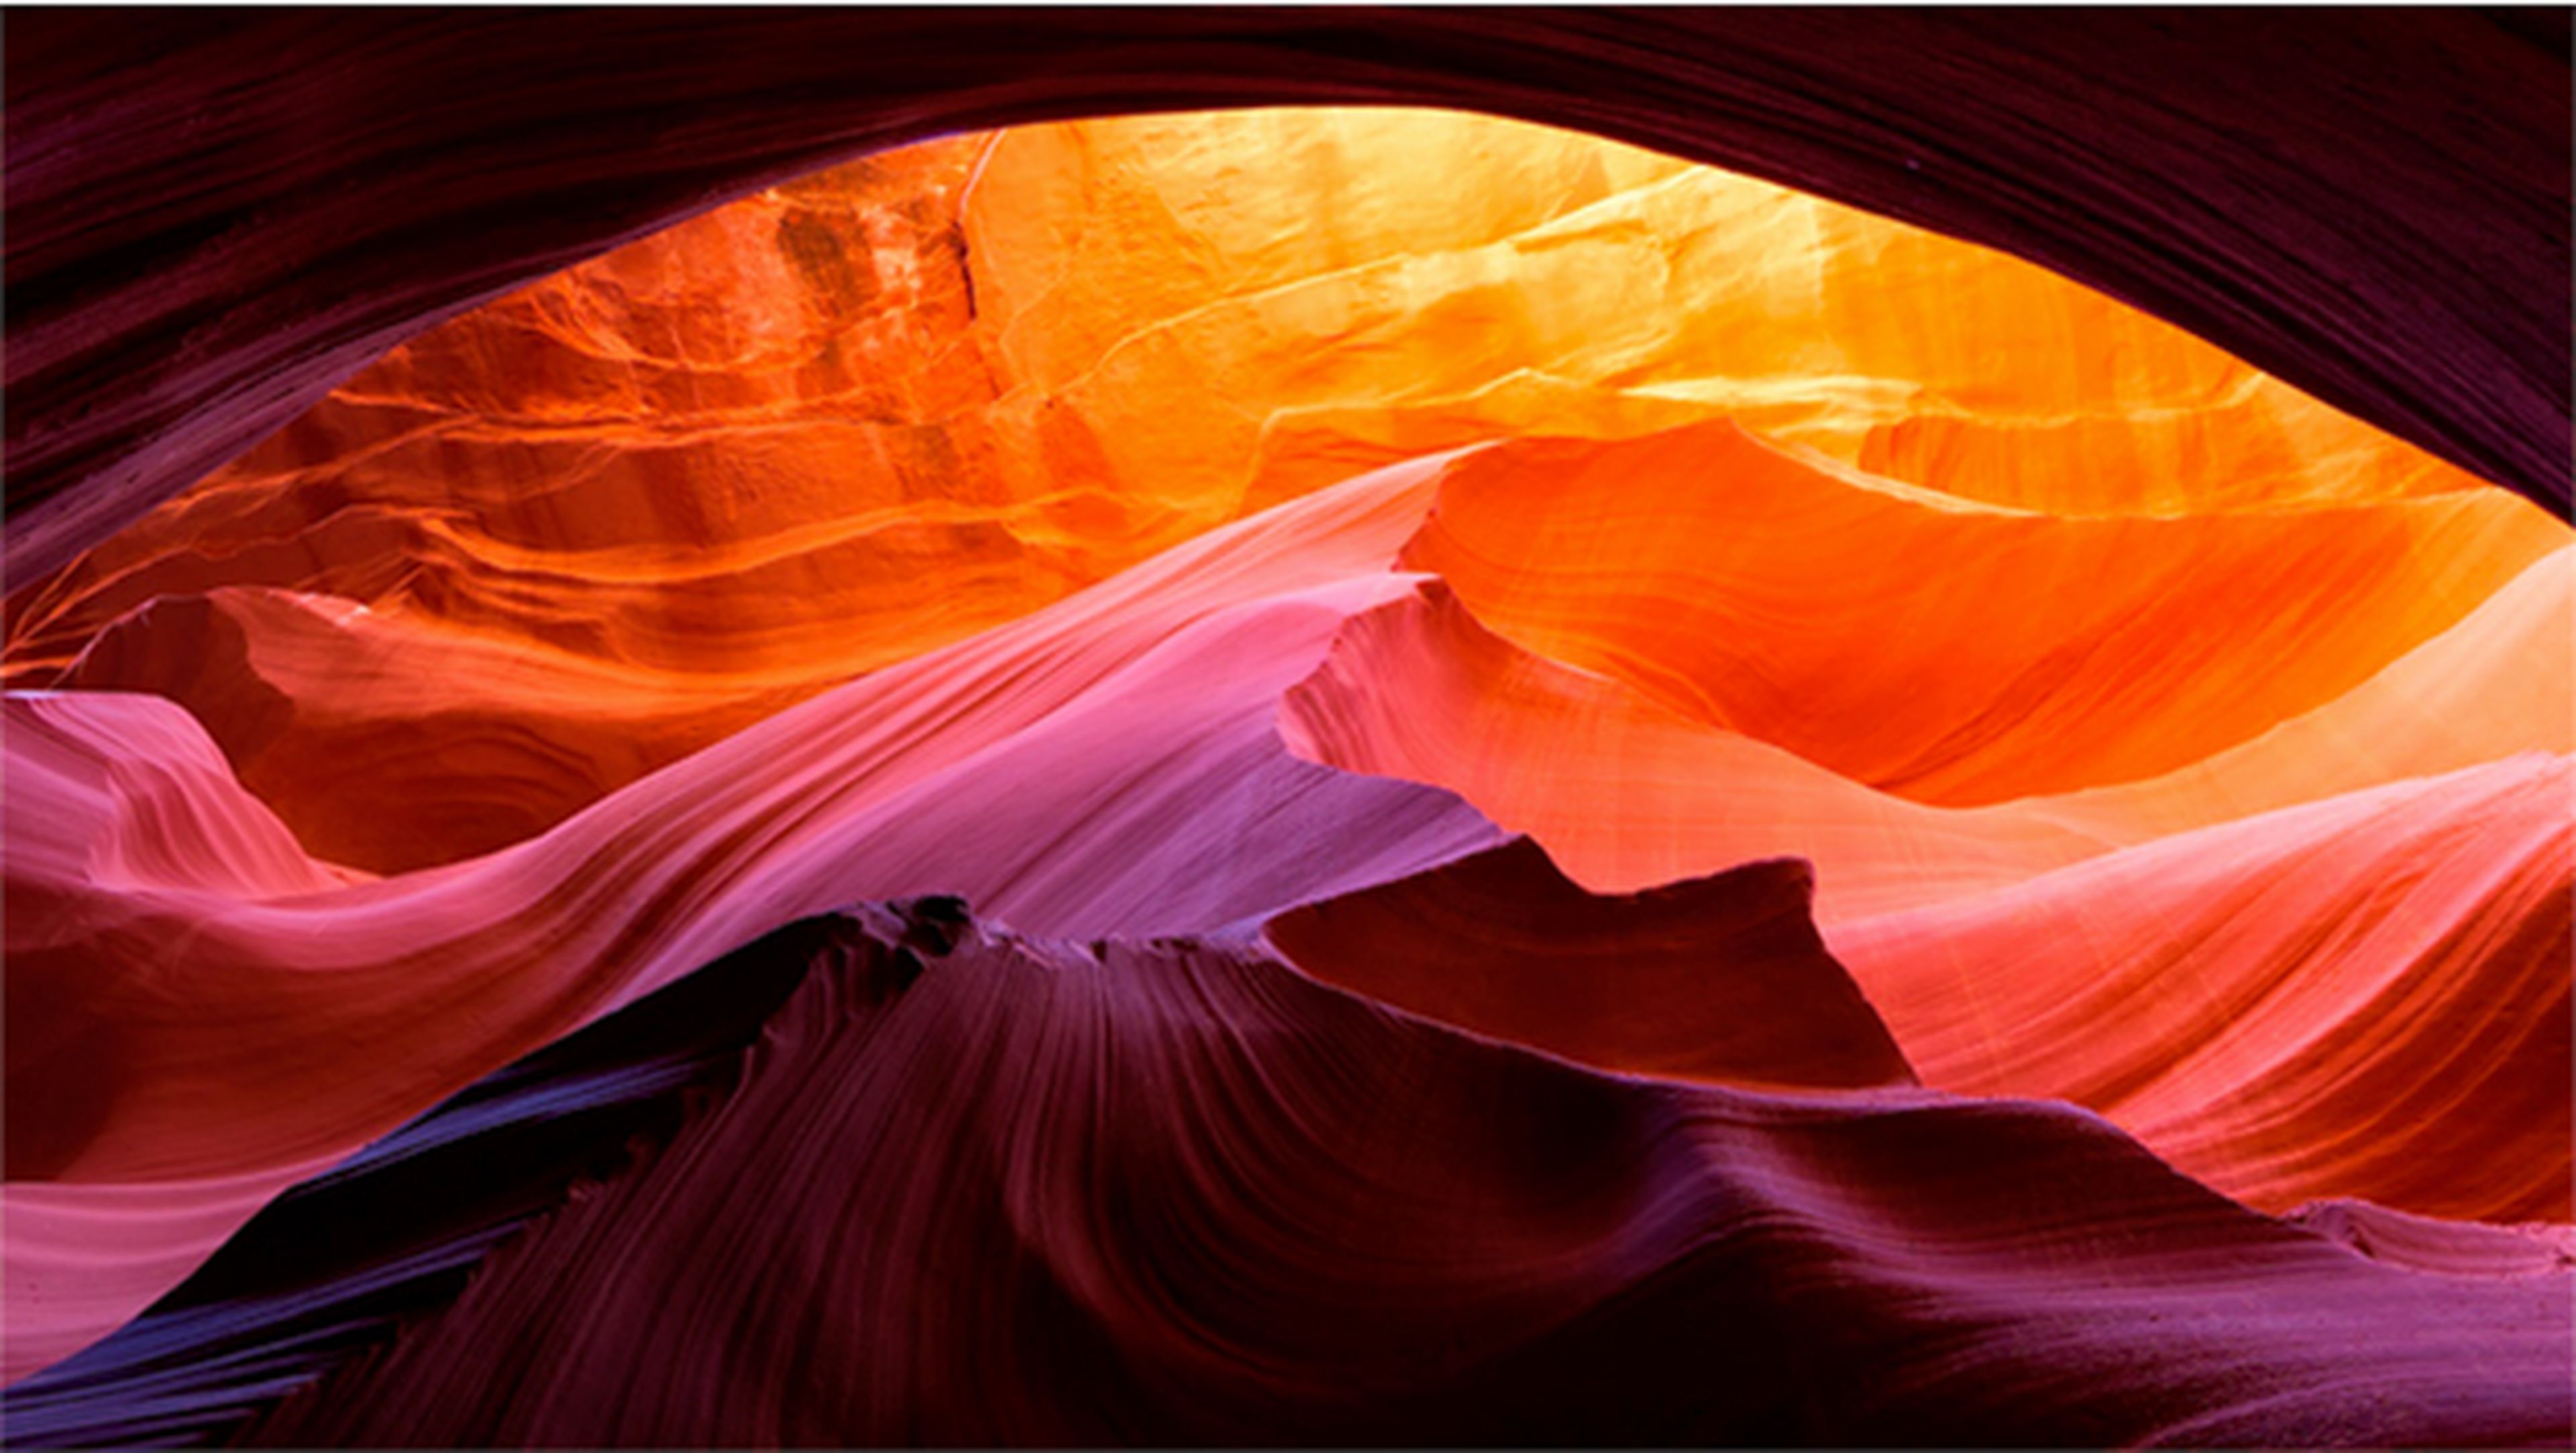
(1214, 1203)
(2364, 997)
(1896, 663)
(1940, 652)
(1626, 792)
(1720, 979)
(615, 517)
(193, 1001)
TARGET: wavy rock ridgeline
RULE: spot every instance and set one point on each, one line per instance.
(206, 1018)
(1953, 654)
(638, 506)
(2365, 996)
(1219, 1203)
(2321, 963)
(1087, 745)
(1721, 978)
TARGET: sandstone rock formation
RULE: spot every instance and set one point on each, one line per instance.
(1110, 782)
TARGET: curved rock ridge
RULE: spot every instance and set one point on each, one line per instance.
(1624, 792)
(1720, 979)
(1569, 1236)
(1109, 765)
(1416, 1019)
(2502, 681)
(1142, 758)
(2374, 205)
(1215, 1202)
(1955, 654)
(876, 410)
(123, 797)
(2366, 996)
(334, 1265)
(2451, 1248)
(397, 741)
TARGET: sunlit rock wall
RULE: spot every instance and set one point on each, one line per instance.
(612, 518)
(1551, 755)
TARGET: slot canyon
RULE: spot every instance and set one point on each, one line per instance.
(1242, 727)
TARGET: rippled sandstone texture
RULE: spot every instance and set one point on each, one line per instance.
(594, 526)
(1169, 1170)
(1504, 944)
(1172, 578)
(202, 1015)
(2374, 205)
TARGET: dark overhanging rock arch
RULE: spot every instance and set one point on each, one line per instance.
(213, 217)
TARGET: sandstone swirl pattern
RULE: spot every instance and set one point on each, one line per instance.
(1643, 808)
(605, 521)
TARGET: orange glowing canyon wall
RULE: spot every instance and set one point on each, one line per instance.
(1444, 558)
